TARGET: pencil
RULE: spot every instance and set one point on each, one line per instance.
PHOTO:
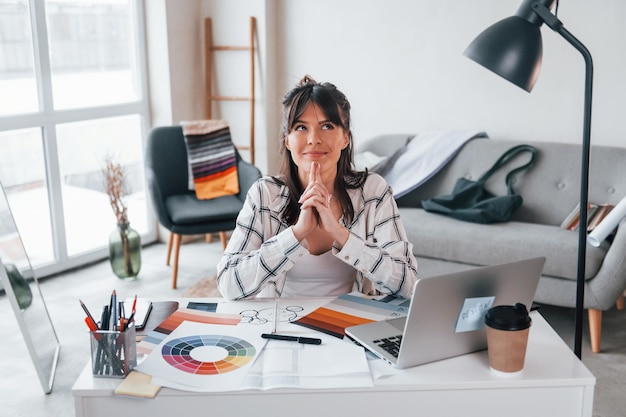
(92, 322)
(275, 315)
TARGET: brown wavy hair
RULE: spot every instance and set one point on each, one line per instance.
(336, 108)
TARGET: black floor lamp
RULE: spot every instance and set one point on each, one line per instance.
(512, 48)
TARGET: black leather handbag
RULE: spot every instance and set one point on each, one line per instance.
(470, 201)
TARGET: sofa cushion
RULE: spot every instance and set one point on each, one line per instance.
(437, 236)
(367, 160)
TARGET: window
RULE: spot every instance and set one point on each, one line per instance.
(72, 82)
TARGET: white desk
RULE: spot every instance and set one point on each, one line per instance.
(553, 383)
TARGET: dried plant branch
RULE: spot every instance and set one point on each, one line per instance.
(115, 186)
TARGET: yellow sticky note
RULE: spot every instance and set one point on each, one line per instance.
(137, 384)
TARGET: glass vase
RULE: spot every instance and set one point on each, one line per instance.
(125, 251)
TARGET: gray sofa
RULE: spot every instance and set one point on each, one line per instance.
(551, 189)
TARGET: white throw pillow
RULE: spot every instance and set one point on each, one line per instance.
(367, 160)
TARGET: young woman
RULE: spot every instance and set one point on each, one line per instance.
(319, 228)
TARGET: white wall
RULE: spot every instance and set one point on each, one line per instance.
(401, 64)
(185, 59)
(174, 58)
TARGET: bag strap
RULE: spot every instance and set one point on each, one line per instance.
(505, 158)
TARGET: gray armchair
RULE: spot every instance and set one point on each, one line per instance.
(177, 208)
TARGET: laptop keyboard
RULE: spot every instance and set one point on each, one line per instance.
(390, 344)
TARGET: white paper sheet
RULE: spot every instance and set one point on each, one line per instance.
(204, 357)
(333, 364)
(260, 313)
(275, 364)
(608, 224)
(282, 364)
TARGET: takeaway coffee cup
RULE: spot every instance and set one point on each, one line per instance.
(507, 336)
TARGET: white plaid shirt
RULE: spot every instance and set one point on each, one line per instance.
(263, 247)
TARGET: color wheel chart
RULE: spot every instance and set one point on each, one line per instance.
(208, 354)
(204, 357)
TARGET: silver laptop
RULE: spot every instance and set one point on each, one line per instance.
(446, 313)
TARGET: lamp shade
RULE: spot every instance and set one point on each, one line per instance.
(511, 48)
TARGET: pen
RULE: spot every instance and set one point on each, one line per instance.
(113, 311)
(303, 340)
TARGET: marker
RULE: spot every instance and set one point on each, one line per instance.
(303, 340)
(104, 319)
(91, 324)
(113, 311)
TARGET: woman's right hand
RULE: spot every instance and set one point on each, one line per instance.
(314, 193)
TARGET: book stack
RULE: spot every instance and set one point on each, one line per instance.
(595, 214)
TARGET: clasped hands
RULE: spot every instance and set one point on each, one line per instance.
(316, 210)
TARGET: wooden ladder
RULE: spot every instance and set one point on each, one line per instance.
(210, 49)
(210, 97)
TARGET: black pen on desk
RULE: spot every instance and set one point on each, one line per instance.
(303, 340)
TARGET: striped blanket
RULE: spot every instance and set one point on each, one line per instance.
(212, 158)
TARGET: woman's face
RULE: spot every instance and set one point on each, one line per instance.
(313, 138)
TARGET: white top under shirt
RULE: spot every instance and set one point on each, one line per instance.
(318, 276)
(263, 249)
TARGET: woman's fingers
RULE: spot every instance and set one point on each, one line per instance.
(315, 168)
(315, 187)
(312, 172)
(314, 201)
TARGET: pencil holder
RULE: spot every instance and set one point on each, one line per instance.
(113, 353)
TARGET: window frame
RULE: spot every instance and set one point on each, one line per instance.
(46, 118)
